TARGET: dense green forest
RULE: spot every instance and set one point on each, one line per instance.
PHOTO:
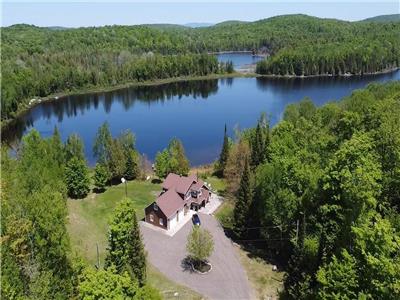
(37, 260)
(38, 62)
(320, 192)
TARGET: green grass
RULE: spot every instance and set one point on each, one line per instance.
(217, 184)
(168, 288)
(266, 283)
(89, 217)
(88, 225)
(224, 213)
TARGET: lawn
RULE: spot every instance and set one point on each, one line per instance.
(87, 226)
(89, 217)
(265, 282)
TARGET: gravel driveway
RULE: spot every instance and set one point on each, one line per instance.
(227, 280)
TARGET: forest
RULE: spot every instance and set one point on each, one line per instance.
(321, 187)
(38, 62)
(320, 192)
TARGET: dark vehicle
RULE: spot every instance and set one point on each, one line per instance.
(196, 220)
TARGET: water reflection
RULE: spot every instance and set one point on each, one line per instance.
(194, 111)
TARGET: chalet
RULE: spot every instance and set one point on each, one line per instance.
(178, 195)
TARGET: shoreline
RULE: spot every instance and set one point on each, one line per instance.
(86, 90)
(386, 71)
(237, 74)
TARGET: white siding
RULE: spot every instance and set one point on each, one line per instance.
(172, 222)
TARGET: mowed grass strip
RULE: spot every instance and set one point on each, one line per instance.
(89, 217)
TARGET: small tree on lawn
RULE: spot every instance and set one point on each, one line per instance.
(100, 177)
(77, 178)
(200, 245)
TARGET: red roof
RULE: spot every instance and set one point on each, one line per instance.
(181, 184)
(176, 188)
(169, 202)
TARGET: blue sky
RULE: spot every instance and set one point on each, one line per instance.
(91, 13)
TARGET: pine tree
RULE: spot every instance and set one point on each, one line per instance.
(260, 142)
(57, 147)
(77, 178)
(223, 157)
(102, 147)
(244, 198)
(136, 253)
(126, 250)
(132, 165)
(74, 148)
(100, 177)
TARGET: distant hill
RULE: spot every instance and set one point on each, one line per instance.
(230, 22)
(164, 26)
(197, 25)
(383, 18)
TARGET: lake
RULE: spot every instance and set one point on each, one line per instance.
(239, 59)
(193, 111)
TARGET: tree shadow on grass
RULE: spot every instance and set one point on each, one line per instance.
(156, 181)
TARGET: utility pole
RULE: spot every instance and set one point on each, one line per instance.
(98, 257)
(297, 231)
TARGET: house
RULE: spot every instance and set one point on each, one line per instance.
(178, 195)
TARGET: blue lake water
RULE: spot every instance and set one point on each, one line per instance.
(238, 59)
(193, 111)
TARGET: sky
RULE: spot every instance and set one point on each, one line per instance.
(99, 13)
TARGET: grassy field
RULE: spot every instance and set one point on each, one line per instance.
(87, 226)
(88, 218)
(265, 282)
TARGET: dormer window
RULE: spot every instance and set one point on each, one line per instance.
(155, 206)
(194, 194)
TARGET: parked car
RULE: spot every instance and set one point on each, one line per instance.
(196, 220)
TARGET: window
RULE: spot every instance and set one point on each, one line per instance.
(151, 218)
(177, 215)
(155, 206)
(161, 222)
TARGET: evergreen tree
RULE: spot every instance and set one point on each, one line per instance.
(117, 160)
(136, 253)
(126, 250)
(260, 142)
(243, 202)
(223, 157)
(103, 144)
(57, 147)
(100, 177)
(77, 178)
(74, 148)
(132, 170)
